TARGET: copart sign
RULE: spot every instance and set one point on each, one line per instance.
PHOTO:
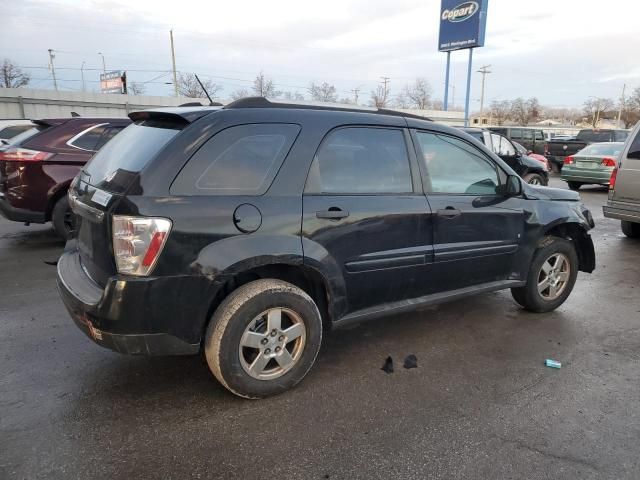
(462, 24)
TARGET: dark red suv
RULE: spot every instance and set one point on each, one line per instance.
(37, 168)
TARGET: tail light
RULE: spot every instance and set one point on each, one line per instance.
(17, 154)
(546, 149)
(608, 162)
(612, 180)
(569, 160)
(137, 243)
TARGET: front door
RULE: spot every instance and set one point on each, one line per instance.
(477, 230)
(364, 215)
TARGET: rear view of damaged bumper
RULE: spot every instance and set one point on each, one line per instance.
(114, 317)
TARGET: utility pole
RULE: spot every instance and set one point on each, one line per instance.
(624, 86)
(173, 61)
(84, 89)
(385, 81)
(53, 68)
(453, 95)
(483, 70)
(355, 94)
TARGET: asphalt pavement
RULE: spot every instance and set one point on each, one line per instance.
(481, 403)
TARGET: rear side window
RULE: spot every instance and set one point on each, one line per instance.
(87, 139)
(527, 134)
(516, 133)
(241, 160)
(358, 160)
(128, 153)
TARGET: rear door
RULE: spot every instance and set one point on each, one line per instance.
(364, 212)
(477, 231)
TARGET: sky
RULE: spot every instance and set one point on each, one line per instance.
(562, 52)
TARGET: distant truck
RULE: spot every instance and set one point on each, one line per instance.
(557, 149)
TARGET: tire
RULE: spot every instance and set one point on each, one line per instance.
(535, 179)
(630, 229)
(63, 219)
(245, 314)
(529, 296)
(575, 185)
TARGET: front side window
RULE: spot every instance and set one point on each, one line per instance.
(359, 160)
(456, 167)
(502, 146)
(241, 160)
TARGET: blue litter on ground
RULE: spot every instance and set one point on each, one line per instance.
(552, 363)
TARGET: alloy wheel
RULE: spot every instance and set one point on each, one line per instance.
(554, 276)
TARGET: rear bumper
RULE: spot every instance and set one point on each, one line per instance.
(585, 175)
(126, 315)
(19, 214)
(626, 212)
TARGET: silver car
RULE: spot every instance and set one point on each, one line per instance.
(624, 187)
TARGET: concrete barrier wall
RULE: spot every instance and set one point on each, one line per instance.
(30, 103)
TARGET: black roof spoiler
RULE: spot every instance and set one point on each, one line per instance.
(180, 115)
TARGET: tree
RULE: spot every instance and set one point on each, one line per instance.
(346, 101)
(264, 87)
(188, 86)
(12, 76)
(402, 101)
(380, 96)
(534, 110)
(323, 93)
(500, 110)
(240, 93)
(418, 94)
(136, 88)
(596, 109)
(630, 111)
(293, 96)
(438, 105)
(525, 111)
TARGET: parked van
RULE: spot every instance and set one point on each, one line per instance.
(624, 187)
(532, 139)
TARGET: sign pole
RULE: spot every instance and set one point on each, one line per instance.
(446, 83)
(466, 102)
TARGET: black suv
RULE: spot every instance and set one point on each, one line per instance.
(533, 171)
(244, 230)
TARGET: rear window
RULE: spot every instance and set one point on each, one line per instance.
(621, 136)
(241, 160)
(128, 153)
(594, 136)
(599, 149)
(10, 132)
(26, 135)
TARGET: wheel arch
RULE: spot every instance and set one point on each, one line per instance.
(577, 234)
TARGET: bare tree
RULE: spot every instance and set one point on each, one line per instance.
(597, 108)
(293, 96)
(438, 105)
(630, 111)
(418, 93)
(402, 101)
(380, 96)
(264, 87)
(324, 92)
(240, 93)
(12, 76)
(136, 88)
(525, 111)
(188, 86)
(534, 110)
(500, 110)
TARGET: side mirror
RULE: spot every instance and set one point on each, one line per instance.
(512, 187)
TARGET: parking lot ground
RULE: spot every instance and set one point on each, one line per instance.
(481, 403)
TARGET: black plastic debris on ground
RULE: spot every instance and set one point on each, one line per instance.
(411, 361)
(388, 365)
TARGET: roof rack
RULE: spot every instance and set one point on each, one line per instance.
(261, 102)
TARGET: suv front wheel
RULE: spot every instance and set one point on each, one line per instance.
(263, 338)
(551, 277)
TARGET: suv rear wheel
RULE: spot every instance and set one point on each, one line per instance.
(263, 338)
(551, 277)
(631, 229)
(63, 219)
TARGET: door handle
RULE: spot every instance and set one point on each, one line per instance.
(449, 212)
(334, 213)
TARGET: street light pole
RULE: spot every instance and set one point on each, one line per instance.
(104, 65)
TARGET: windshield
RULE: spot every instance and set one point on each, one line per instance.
(602, 149)
(115, 164)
